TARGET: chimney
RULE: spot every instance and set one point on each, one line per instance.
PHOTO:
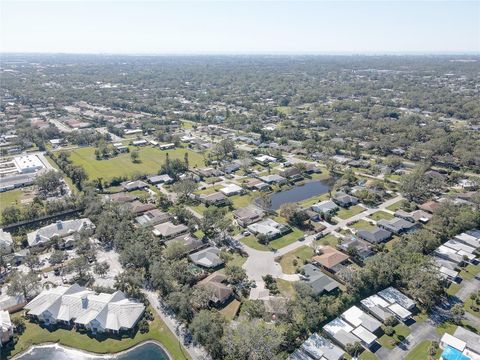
(59, 225)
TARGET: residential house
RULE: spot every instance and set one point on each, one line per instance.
(468, 240)
(378, 307)
(61, 229)
(462, 345)
(327, 207)
(318, 281)
(330, 258)
(341, 332)
(248, 215)
(265, 159)
(6, 327)
(141, 142)
(375, 235)
(275, 306)
(168, 230)
(160, 179)
(400, 304)
(121, 197)
(208, 258)
(6, 242)
(232, 189)
(344, 200)
(291, 173)
(167, 146)
(429, 206)
(133, 185)
(317, 347)
(273, 179)
(362, 248)
(153, 217)
(208, 172)
(221, 293)
(356, 317)
(86, 309)
(216, 199)
(397, 225)
(269, 228)
(137, 207)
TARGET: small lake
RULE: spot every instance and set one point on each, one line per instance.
(299, 193)
(147, 351)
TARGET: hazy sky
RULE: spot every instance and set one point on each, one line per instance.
(239, 26)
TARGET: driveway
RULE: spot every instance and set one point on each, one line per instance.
(420, 332)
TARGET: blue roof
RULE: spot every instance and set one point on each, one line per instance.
(453, 354)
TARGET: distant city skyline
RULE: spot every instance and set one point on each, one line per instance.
(241, 27)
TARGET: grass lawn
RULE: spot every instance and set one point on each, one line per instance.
(327, 240)
(470, 271)
(151, 160)
(200, 208)
(367, 355)
(362, 225)
(287, 239)
(313, 200)
(453, 289)
(401, 332)
(251, 241)
(231, 310)
(467, 305)
(396, 206)
(351, 211)
(298, 255)
(35, 335)
(207, 191)
(286, 288)
(420, 351)
(379, 215)
(9, 198)
(446, 327)
(241, 201)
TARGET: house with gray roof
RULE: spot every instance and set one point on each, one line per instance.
(207, 258)
(160, 179)
(397, 225)
(168, 230)
(152, 217)
(325, 207)
(248, 215)
(273, 179)
(6, 241)
(374, 236)
(318, 281)
(61, 228)
(344, 200)
(317, 347)
(134, 185)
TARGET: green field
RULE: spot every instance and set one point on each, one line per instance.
(150, 162)
(351, 211)
(286, 239)
(362, 225)
(299, 255)
(9, 198)
(327, 240)
(401, 332)
(34, 335)
(420, 351)
(380, 215)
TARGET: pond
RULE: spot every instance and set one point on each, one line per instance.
(147, 351)
(299, 193)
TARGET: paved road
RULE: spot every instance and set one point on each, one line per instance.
(261, 263)
(420, 331)
(196, 352)
(468, 287)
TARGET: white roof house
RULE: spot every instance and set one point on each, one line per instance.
(265, 159)
(267, 227)
(468, 239)
(325, 207)
(231, 189)
(341, 332)
(400, 311)
(393, 296)
(356, 317)
(6, 327)
(6, 241)
(208, 257)
(168, 230)
(60, 229)
(97, 312)
(317, 347)
(459, 246)
(377, 307)
(366, 336)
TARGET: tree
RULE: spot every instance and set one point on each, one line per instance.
(254, 309)
(264, 200)
(175, 249)
(80, 266)
(32, 261)
(130, 282)
(252, 340)
(354, 349)
(101, 268)
(207, 329)
(135, 156)
(57, 257)
(457, 311)
(184, 188)
(235, 274)
(49, 182)
(22, 284)
(11, 214)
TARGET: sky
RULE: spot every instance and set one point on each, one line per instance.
(240, 27)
